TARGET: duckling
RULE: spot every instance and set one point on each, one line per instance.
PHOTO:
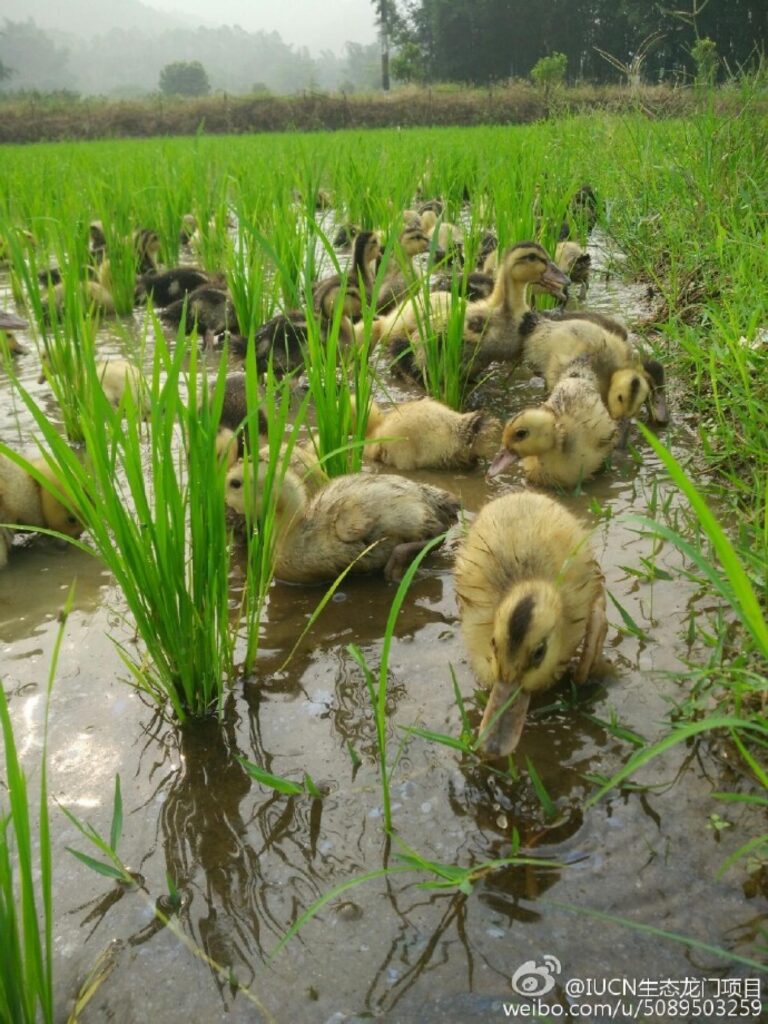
(576, 262)
(490, 325)
(283, 339)
(25, 238)
(427, 434)
(550, 346)
(146, 245)
(188, 229)
(358, 281)
(366, 522)
(448, 239)
(96, 297)
(115, 376)
(209, 309)
(489, 244)
(345, 236)
(530, 594)
(8, 342)
(26, 503)
(232, 425)
(583, 208)
(564, 441)
(169, 285)
(401, 273)
(478, 285)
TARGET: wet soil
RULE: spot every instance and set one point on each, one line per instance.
(247, 860)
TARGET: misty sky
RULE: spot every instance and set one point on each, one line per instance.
(312, 23)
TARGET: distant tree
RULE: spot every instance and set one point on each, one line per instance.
(184, 78)
(34, 59)
(5, 72)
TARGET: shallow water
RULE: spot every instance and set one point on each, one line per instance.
(247, 860)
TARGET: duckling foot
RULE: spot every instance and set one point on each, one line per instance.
(400, 559)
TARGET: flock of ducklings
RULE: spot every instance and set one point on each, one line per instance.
(529, 590)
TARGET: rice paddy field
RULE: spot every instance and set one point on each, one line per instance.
(304, 830)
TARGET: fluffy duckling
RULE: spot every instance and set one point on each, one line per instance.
(377, 522)
(426, 434)
(345, 236)
(116, 376)
(188, 229)
(8, 342)
(357, 283)
(478, 285)
(167, 286)
(530, 594)
(283, 339)
(401, 273)
(576, 262)
(26, 503)
(490, 325)
(96, 297)
(552, 345)
(446, 237)
(564, 441)
(209, 309)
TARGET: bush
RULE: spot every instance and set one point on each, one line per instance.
(184, 78)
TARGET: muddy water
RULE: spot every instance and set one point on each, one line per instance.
(247, 861)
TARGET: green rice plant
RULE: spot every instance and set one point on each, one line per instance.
(26, 905)
(162, 533)
(307, 787)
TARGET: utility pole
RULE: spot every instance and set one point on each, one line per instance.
(384, 30)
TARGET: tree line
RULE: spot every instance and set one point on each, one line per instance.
(483, 41)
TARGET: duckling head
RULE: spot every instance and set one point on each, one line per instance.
(531, 432)
(253, 494)
(526, 657)
(414, 241)
(529, 263)
(345, 235)
(367, 248)
(628, 390)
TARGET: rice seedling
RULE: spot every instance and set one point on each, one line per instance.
(164, 535)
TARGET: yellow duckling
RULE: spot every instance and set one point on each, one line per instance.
(553, 345)
(564, 441)
(491, 325)
(303, 460)
(376, 522)
(530, 594)
(115, 376)
(427, 434)
(29, 504)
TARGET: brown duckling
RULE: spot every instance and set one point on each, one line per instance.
(401, 276)
(367, 522)
(357, 282)
(27, 503)
(167, 286)
(426, 434)
(564, 441)
(208, 309)
(530, 594)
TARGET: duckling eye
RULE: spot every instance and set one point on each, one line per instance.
(533, 257)
(538, 655)
(72, 520)
(237, 484)
(520, 435)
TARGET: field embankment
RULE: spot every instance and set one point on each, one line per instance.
(48, 119)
